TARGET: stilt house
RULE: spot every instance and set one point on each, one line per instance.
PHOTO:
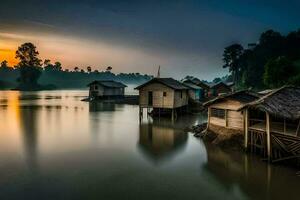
(272, 124)
(195, 92)
(106, 90)
(204, 88)
(217, 89)
(223, 111)
(163, 94)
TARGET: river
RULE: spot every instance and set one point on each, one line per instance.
(54, 146)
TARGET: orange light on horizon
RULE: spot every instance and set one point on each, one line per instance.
(9, 56)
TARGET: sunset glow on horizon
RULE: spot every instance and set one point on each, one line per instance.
(182, 37)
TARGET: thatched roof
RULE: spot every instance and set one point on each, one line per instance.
(243, 96)
(283, 102)
(169, 82)
(108, 84)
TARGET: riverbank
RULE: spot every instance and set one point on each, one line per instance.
(223, 138)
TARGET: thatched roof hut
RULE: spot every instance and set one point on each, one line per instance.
(283, 102)
(274, 120)
(243, 96)
(223, 111)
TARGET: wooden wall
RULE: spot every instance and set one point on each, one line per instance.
(233, 119)
(113, 91)
(159, 101)
(217, 121)
(179, 100)
(171, 100)
(104, 91)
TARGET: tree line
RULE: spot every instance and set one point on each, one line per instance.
(271, 62)
(31, 73)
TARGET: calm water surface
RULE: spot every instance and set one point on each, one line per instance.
(54, 146)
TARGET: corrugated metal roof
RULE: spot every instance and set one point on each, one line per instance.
(110, 84)
(192, 86)
(169, 82)
(213, 85)
(196, 81)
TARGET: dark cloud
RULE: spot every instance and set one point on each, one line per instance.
(185, 28)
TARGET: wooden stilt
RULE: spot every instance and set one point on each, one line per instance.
(208, 117)
(147, 112)
(226, 118)
(268, 132)
(159, 113)
(284, 126)
(172, 115)
(140, 113)
(298, 128)
(246, 128)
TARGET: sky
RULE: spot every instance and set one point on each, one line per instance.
(184, 37)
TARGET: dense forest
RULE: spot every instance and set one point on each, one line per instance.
(31, 73)
(271, 62)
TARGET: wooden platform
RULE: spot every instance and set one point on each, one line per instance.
(285, 144)
(275, 128)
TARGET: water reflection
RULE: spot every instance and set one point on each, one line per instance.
(28, 124)
(71, 147)
(159, 140)
(247, 173)
(101, 107)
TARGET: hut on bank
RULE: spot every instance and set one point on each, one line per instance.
(272, 124)
(195, 92)
(204, 88)
(163, 95)
(224, 113)
(106, 90)
(217, 89)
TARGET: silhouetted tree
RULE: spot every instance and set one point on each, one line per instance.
(28, 55)
(48, 66)
(217, 80)
(4, 64)
(108, 69)
(89, 69)
(278, 72)
(293, 45)
(29, 65)
(57, 66)
(76, 69)
(231, 57)
(47, 62)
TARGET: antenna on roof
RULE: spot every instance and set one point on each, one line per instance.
(158, 72)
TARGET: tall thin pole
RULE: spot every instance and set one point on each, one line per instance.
(158, 72)
(246, 128)
(268, 135)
